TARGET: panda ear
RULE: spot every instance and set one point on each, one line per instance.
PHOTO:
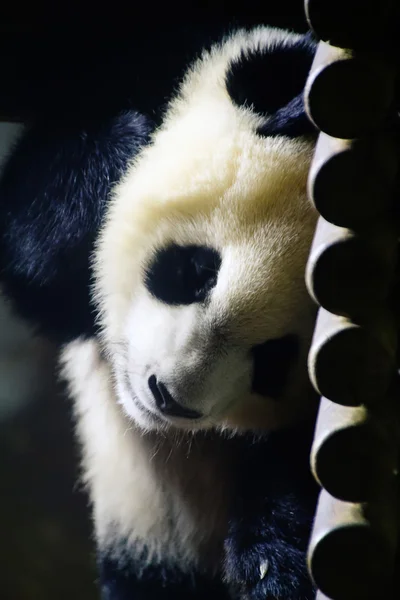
(270, 81)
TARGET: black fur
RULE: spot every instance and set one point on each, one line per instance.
(53, 194)
(271, 518)
(273, 361)
(272, 83)
(182, 275)
(127, 580)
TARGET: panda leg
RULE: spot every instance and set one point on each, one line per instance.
(129, 581)
(272, 518)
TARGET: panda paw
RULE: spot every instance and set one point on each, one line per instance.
(265, 571)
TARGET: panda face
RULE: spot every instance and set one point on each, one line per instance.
(218, 332)
(200, 267)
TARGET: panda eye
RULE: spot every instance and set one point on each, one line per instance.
(183, 274)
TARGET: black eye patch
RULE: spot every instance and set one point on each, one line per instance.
(183, 274)
(273, 361)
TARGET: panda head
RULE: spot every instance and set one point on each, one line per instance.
(200, 266)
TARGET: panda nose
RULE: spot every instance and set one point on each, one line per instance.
(166, 403)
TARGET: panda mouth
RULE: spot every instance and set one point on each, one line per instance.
(272, 364)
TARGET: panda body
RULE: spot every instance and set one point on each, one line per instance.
(165, 524)
(203, 325)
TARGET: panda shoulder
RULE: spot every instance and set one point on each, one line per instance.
(54, 188)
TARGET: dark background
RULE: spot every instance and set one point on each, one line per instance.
(68, 62)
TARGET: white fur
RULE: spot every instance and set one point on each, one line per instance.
(152, 491)
(209, 179)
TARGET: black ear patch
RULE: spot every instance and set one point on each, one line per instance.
(271, 82)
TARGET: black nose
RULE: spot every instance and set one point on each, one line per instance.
(273, 361)
(165, 402)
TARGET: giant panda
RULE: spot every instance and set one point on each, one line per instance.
(168, 261)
